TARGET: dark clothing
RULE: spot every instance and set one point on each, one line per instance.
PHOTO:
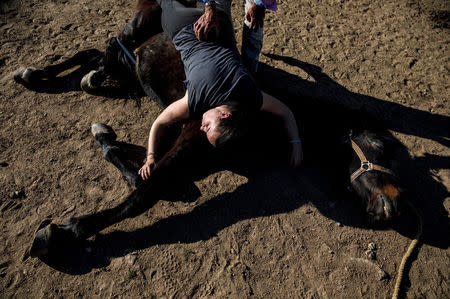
(215, 74)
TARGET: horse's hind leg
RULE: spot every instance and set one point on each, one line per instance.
(145, 23)
(105, 137)
(89, 59)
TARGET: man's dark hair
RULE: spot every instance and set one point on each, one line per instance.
(234, 127)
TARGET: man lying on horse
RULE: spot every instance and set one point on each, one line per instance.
(220, 89)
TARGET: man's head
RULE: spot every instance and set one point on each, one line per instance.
(224, 123)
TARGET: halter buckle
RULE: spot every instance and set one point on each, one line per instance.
(367, 166)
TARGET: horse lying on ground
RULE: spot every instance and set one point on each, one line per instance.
(360, 155)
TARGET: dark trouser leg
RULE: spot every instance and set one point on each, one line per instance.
(175, 16)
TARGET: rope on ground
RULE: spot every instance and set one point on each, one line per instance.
(408, 253)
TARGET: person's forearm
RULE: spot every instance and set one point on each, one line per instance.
(175, 112)
(154, 137)
(273, 105)
(290, 124)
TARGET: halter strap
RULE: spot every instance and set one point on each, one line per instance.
(366, 165)
(126, 51)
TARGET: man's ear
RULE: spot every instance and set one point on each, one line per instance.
(225, 114)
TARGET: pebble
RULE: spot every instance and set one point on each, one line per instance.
(382, 274)
(372, 246)
(131, 259)
(17, 194)
(339, 224)
(370, 254)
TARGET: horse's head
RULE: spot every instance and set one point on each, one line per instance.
(370, 173)
(116, 62)
(372, 152)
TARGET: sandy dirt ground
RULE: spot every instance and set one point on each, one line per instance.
(272, 235)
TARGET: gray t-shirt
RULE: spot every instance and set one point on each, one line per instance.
(215, 74)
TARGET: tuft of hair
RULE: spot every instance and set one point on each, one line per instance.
(233, 128)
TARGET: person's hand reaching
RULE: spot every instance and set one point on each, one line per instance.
(255, 15)
(147, 168)
(206, 23)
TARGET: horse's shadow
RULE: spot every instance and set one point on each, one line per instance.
(66, 77)
(427, 194)
(278, 190)
(267, 192)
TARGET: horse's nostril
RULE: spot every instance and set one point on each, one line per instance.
(385, 206)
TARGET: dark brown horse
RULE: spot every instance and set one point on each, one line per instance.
(159, 71)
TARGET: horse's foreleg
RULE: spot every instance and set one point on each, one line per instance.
(87, 59)
(105, 137)
(169, 173)
(136, 203)
(51, 238)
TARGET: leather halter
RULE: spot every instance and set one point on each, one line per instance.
(130, 57)
(366, 165)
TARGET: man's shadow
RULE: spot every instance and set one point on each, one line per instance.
(320, 106)
(393, 116)
(425, 192)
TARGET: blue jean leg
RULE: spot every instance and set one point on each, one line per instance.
(252, 42)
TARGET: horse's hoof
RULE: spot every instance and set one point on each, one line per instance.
(105, 130)
(43, 238)
(87, 83)
(48, 237)
(23, 75)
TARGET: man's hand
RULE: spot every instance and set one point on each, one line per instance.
(297, 154)
(145, 170)
(207, 22)
(255, 15)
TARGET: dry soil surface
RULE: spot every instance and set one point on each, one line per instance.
(268, 236)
